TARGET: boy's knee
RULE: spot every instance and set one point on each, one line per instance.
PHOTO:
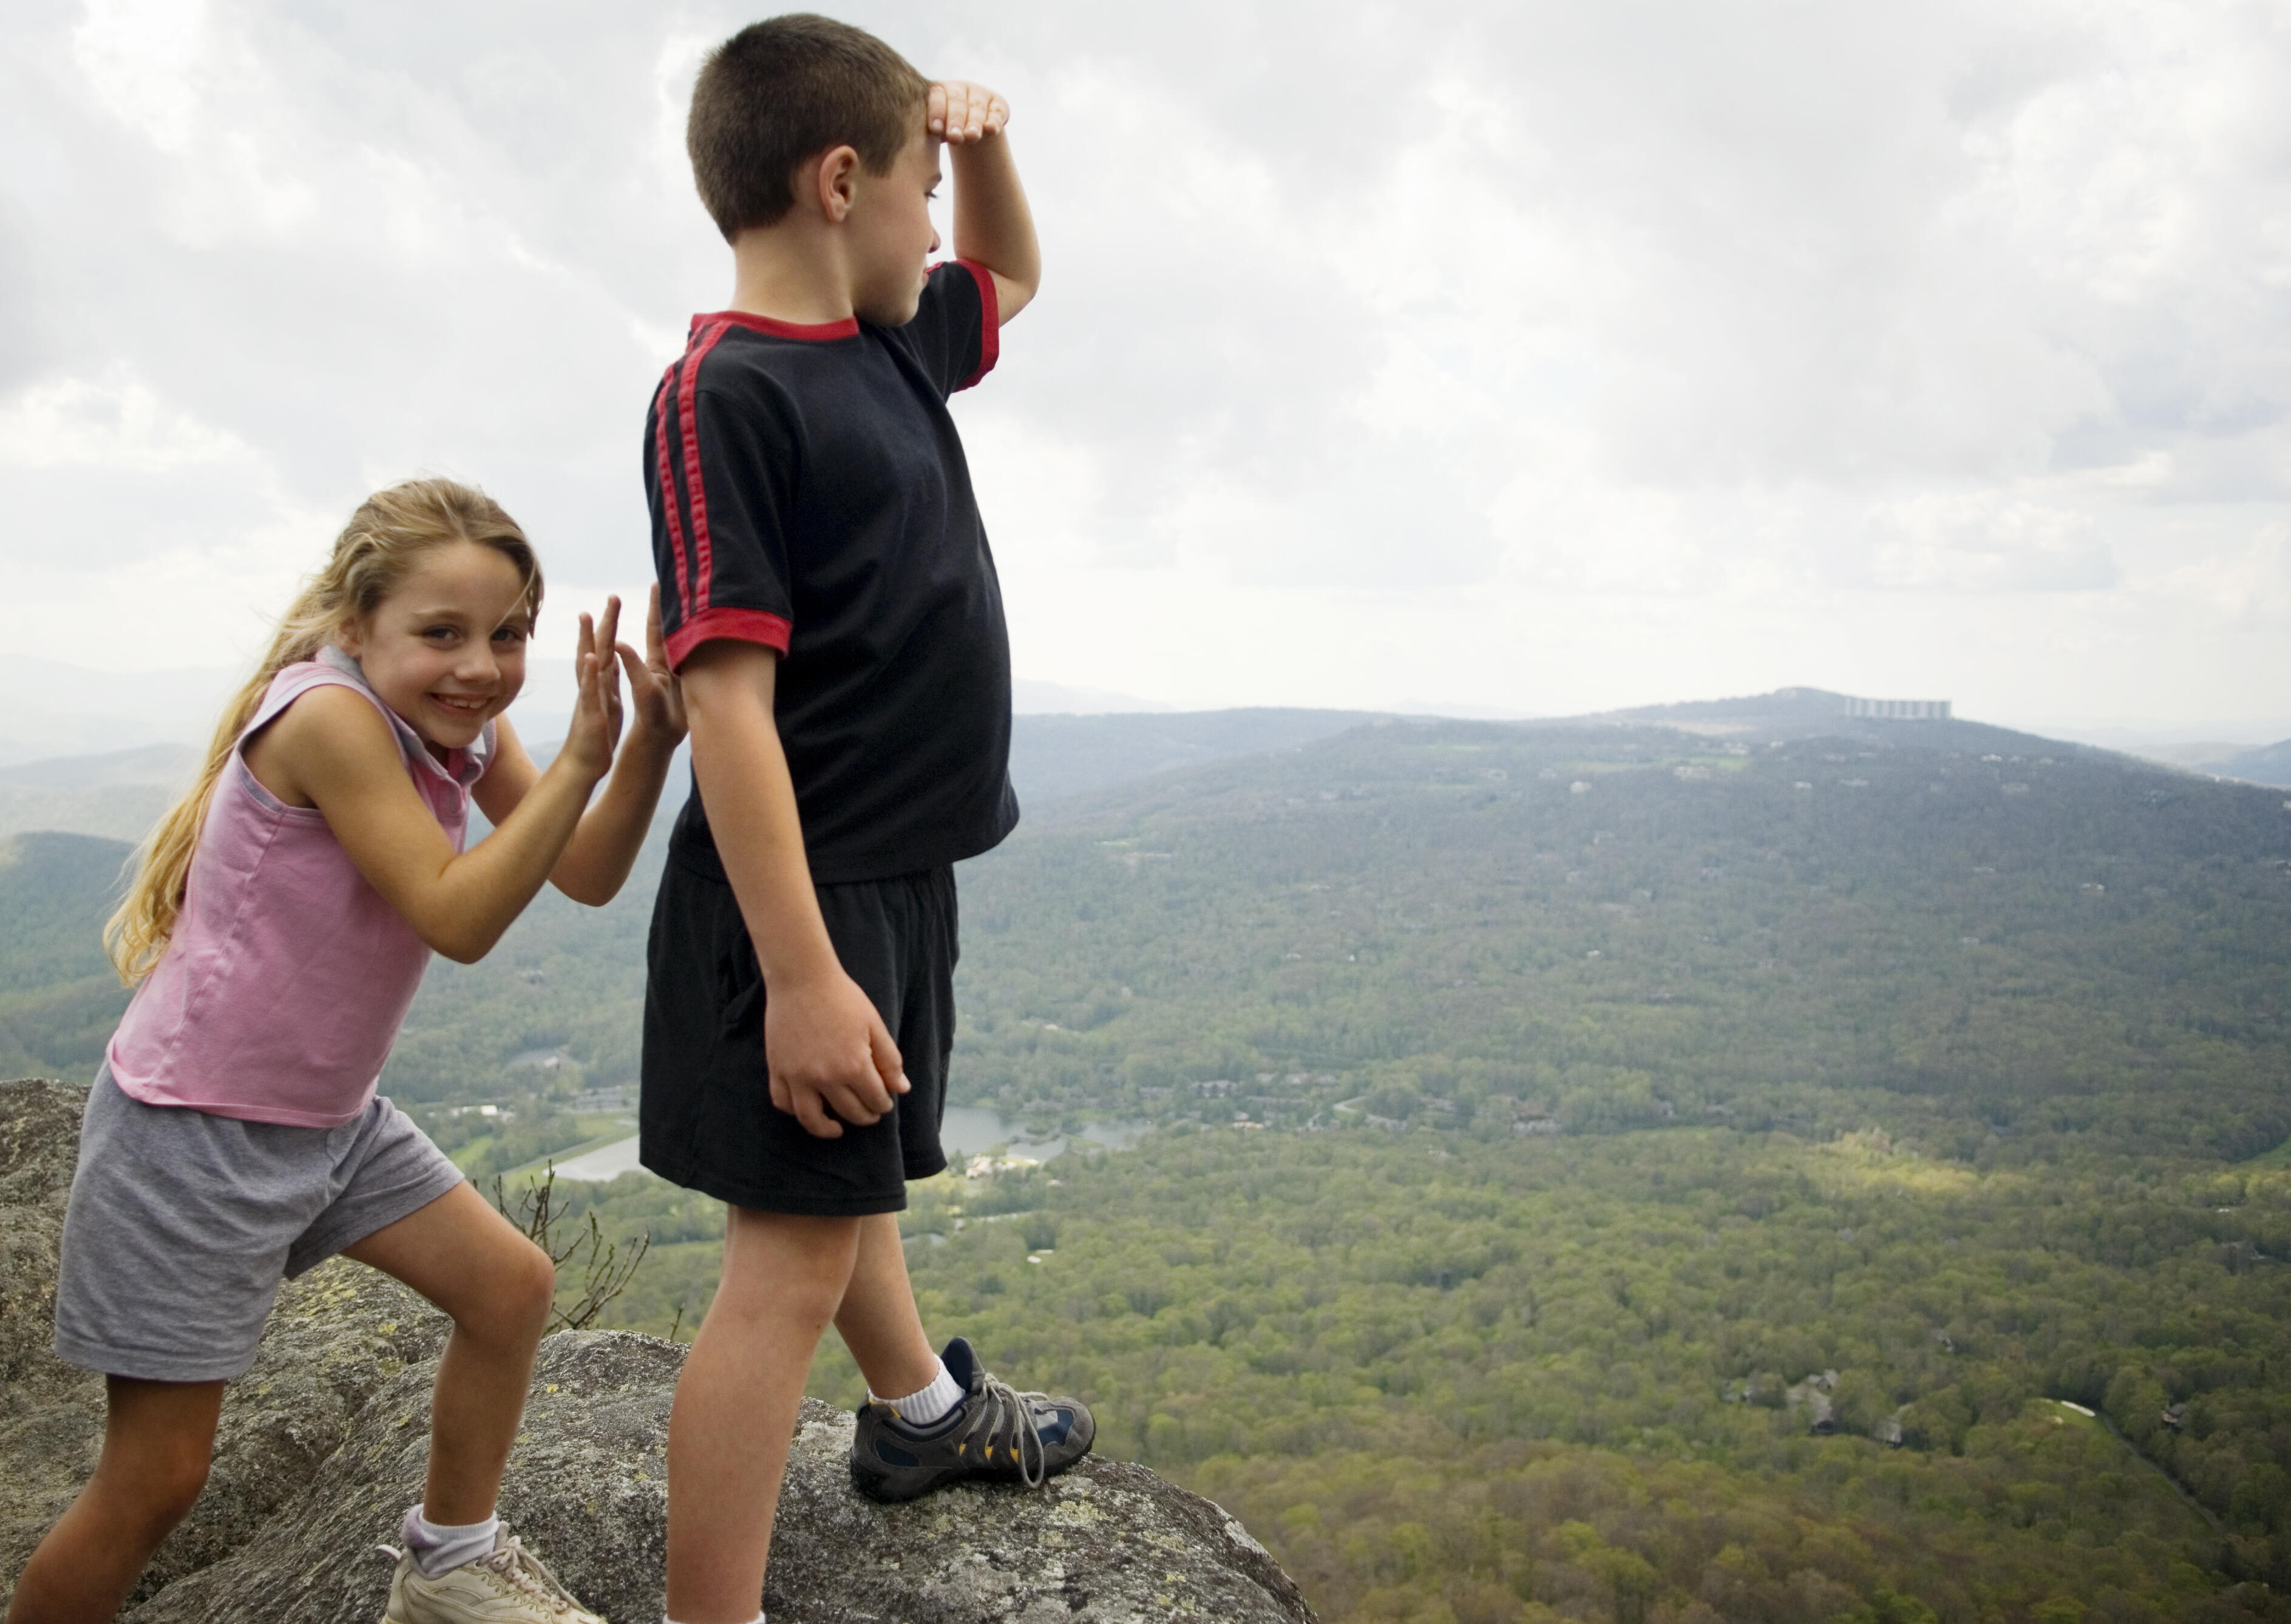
(798, 1274)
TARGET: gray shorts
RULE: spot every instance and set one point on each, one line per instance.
(181, 1225)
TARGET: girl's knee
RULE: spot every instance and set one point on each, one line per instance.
(156, 1490)
(515, 1304)
(178, 1486)
(533, 1288)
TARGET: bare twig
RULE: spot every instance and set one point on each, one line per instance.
(605, 1273)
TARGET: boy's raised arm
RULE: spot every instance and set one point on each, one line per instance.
(993, 225)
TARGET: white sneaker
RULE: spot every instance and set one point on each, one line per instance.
(511, 1585)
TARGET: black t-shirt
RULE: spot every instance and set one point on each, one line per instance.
(809, 492)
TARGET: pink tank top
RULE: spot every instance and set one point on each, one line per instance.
(287, 977)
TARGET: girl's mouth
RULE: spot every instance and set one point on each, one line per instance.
(462, 704)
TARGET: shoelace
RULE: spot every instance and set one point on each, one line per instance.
(996, 1403)
(523, 1570)
(528, 1573)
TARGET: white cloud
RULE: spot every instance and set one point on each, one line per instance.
(1533, 355)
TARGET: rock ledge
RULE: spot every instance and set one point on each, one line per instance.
(323, 1445)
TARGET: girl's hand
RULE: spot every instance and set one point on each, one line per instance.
(653, 688)
(595, 733)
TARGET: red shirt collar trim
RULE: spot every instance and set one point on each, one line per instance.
(848, 327)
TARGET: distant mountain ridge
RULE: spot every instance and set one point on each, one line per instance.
(1807, 713)
(1053, 755)
(2268, 764)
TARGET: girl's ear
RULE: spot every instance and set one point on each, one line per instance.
(350, 640)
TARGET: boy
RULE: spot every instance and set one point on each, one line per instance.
(832, 610)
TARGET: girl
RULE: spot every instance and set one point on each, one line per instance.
(280, 924)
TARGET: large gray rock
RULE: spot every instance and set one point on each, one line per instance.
(323, 1444)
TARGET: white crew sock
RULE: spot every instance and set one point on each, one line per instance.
(933, 1403)
(441, 1548)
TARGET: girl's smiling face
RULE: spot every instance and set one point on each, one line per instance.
(445, 650)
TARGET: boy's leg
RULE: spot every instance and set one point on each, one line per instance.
(158, 1436)
(467, 1259)
(877, 1318)
(734, 1415)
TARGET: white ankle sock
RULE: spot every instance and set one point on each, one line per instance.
(441, 1548)
(931, 1405)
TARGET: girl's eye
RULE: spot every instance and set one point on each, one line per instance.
(509, 634)
(438, 633)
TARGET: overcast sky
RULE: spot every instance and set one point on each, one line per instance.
(1525, 357)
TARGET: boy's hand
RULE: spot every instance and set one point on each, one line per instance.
(653, 691)
(595, 731)
(830, 1055)
(960, 112)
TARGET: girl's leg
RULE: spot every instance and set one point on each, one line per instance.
(471, 1262)
(158, 1436)
(734, 1418)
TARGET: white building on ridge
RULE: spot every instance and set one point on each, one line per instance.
(1899, 709)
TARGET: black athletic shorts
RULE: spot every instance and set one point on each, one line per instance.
(707, 1121)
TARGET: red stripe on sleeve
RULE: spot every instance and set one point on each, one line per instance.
(704, 554)
(740, 625)
(669, 500)
(990, 323)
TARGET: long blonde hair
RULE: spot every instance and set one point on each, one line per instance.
(390, 529)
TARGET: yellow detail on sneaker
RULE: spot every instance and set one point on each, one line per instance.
(509, 1586)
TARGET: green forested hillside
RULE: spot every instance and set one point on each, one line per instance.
(59, 1000)
(1626, 927)
(1618, 1101)
(1447, 1377)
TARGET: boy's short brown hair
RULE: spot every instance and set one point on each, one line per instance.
(784, 89)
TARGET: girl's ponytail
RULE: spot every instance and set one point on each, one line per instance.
(390, 530)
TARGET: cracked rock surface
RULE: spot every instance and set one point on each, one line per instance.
(324, 1442)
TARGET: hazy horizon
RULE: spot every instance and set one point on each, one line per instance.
(57, 710)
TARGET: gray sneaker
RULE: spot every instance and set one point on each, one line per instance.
(994, 1434)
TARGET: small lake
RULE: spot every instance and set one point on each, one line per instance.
(966, 1130)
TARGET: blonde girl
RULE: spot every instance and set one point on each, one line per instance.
(283, 913)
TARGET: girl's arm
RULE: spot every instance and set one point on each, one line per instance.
(604, 848)
(333, 751)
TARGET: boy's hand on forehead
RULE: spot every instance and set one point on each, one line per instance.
(960, 112)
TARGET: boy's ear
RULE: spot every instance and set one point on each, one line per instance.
(834, 181)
